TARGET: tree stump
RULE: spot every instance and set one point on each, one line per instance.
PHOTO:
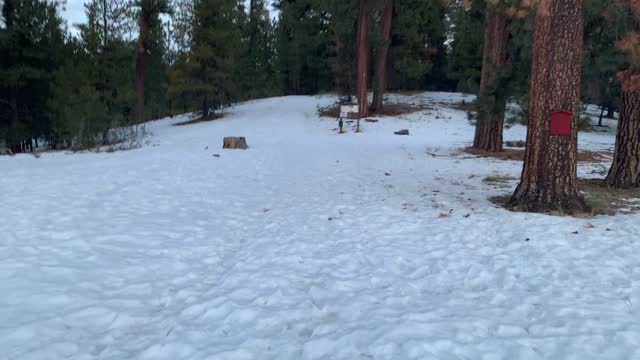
(235, 143)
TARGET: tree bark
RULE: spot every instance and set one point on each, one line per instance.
(611, 112)
(363, 57)
(601, 115)
(549, 175)
(491, 100)
(234, 142)
(141, 62)
(625, 169)
(382, 55)
(205, 107)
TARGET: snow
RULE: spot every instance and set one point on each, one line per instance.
(303, 248)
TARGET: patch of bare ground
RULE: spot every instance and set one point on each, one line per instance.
(394, 109)
(199, 120)
(466, 106)
(518, 154)
(498, 181)
(608, 201)
(516, 143)
(602, 199)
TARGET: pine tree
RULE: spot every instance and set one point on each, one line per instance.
(492, 97)
(549, 176)
(149, 16)
(465, 57)
(418, 45)
(156, 76)
(214, 54)
(625, 169)
(258, 74)
(92, 92)
(602, 59)
(362, 44)
(30, 43)
(304, 46)
(341, 25)
(382, 56)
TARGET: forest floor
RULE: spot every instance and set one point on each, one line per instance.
(308, 245)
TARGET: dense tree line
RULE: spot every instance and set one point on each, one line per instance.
(82, 85)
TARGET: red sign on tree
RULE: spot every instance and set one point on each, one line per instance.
(560, 123)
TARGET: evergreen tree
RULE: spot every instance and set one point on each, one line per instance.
(362, 72)
(549, 176)
(419, 52)
(625, 172)
(156, 76)
(492, 97)
(304, 46)
(602, 59)
(214, 54)
(382, 57)
(465, 57)
(92, 92)
(341, 25)
(257, 73)
(30, 43)
(149, 19)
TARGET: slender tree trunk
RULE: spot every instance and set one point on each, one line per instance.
(601, 115)
(611, 112)
(363, 57)
(549, 175)
(491, 100)
(382, 55)
(104, 23)
(625, 169)
(141, 63)
(205, 107)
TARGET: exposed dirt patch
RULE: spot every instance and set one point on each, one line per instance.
(199, 120)
(607, 201)
(498, 181)
(466, 106)
(395, 109)
(602, 199)
(516, 144)
(518, 154)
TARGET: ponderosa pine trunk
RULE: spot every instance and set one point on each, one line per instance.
(363, 57)
(141, 62)
(205, 108)
(549, 175)
(625, 169)
(382, 55)
(491, 101)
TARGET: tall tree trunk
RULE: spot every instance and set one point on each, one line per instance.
(141, 63)
(205, 107)
(625, 169)
(611, 112)
(491, 100)
(104, 23)
(363, 57)
(382, 55)
(601, 115)
(549, 175)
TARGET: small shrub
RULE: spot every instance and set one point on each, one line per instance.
(584, 123)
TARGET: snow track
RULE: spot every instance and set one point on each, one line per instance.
(309, 245)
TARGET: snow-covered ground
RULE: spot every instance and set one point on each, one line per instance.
(309, 245)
